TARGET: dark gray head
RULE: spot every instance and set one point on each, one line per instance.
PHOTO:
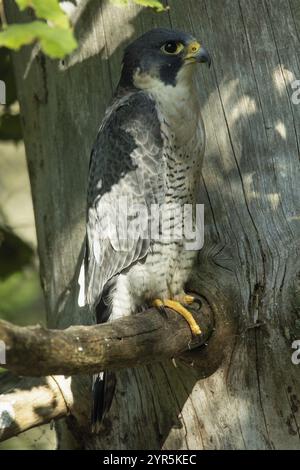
(161, 54)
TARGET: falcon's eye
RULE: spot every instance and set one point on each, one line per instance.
(172, 48)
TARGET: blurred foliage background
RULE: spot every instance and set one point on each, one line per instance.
(20, 293)
(21, 299)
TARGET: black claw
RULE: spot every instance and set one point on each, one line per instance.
(196, 301)
(163, 311)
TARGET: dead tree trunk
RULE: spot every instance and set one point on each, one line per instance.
(244, 390)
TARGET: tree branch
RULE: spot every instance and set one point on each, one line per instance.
(131, 341)
(29, 402)
(36, 351)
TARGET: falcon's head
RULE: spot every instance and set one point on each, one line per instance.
(162, 55)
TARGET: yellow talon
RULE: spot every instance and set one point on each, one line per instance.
(158, 303)
(177, 307)
(188, 299)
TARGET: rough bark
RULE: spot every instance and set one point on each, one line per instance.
(29, 402)
(144, 338)
(248, 270)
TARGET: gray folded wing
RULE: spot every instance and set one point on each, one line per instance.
(126, 172)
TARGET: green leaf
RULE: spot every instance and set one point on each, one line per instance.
(156, 4)
(55, 41)
(48, 10)
(17, 35)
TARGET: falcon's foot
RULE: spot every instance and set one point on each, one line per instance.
(177, 306)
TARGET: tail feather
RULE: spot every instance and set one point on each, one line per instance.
(104, 385)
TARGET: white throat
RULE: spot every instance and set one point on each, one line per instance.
(178, 105)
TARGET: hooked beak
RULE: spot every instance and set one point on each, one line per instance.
(195, 53)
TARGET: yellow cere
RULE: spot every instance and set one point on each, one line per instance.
(193, 48)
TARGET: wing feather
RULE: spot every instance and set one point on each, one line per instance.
(126, 167)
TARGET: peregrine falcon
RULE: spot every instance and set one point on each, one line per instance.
(148, 153)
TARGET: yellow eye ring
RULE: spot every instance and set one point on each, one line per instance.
(172, 48)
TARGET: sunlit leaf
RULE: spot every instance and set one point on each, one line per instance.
(48, 10)
(17, 35)
(55, 35)
(55, 41)
(156, 4)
